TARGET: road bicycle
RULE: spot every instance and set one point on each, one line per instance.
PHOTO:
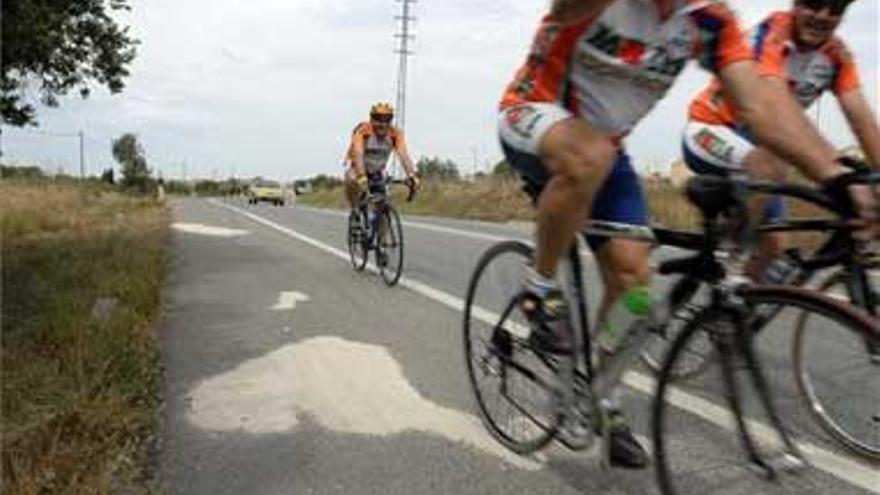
(527, 397)
(374, 225)
(818, 364)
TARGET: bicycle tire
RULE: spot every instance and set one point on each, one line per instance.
(389, 244)
(658, 346)
(503, 356)
(357, 240)
(862, 443)
(714, 449)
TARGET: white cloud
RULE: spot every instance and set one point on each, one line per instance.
(274, 87)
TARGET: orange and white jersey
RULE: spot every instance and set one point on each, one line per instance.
(809, 72)
(613, 68)
(376, 149)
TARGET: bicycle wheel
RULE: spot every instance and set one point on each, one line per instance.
(698, 450)
(514, 385)
(389, 246)
(838, 376)
(357, 239)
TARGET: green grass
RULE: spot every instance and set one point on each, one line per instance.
(79, 393)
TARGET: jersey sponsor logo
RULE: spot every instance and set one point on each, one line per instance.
(714, 145)
(522, 119)
(667, 59)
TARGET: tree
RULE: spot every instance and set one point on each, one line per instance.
(107, 176)
(437, 169)
(503, 169)
(130, 155)
(52, 47)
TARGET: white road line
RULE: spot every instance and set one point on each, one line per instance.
(844, 468)
(430, 227)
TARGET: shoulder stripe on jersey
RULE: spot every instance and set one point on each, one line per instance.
(711, 27)
(761, 37)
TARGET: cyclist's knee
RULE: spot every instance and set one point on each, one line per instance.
(573, 151)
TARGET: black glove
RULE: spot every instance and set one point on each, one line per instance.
(837, 189)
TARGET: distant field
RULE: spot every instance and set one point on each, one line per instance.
(501, 200)
(82, 272)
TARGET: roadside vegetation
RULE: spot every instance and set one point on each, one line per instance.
(498, 196)
(82, 270)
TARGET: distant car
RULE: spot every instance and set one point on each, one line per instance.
(265, 190)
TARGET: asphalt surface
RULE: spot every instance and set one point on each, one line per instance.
(287, 372)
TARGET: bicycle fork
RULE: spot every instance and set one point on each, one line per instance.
(732, 341)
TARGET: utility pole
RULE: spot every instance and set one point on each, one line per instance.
(82, 162)
(403, 52)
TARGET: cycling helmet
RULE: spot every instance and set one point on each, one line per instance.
(382, 112)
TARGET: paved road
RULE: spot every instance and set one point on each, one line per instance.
(287, 372)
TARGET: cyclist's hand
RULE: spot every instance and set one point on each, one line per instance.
(414, 182)
(362, 182)
(868, 210)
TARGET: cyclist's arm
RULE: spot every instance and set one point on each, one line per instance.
(568, 11)
(777, 121)
(357, 154)
(863, 124)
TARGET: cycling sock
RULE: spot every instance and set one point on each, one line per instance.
(539, 284)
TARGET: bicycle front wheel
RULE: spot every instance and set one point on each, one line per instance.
(698, 449)
(357, 239)
(838, 375)
(389, 250)
(514, 385)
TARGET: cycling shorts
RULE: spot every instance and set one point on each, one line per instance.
(521, 127)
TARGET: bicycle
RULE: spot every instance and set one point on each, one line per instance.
(818, 386)
(374, 225)
(561, 396)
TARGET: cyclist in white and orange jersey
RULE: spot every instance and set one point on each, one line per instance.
(595, 69)
(372, 143)
(795, 49)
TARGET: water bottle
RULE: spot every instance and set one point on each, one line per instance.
(634, 305)
(783, 269)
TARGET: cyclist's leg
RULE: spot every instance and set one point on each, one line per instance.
(574, 161)
(562, 160)
(623, 264)
(721, 150)
(763, 164)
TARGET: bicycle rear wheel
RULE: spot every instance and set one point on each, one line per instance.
(357, 239)
(698, 450)
(514, 385)
(838, 376)
(389, 246)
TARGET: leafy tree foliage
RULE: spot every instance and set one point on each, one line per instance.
(503, 169)
(50, 47)
(437, 169)
(130, 155)
(108, 176)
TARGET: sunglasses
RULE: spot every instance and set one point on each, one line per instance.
(383, 118)
(835, 7)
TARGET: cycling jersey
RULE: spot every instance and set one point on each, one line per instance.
(611, 69)
(376, 149)
(809, 72)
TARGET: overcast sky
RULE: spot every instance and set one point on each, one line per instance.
(274, 87)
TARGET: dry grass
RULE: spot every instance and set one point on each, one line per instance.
(79, 393)
(498, 199)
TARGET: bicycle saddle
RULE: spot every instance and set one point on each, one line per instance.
(711, 194)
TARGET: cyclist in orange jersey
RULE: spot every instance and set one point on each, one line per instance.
(795, 49)
(372, 143)
(595, 69)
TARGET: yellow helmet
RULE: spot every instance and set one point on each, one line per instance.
(382, 112)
